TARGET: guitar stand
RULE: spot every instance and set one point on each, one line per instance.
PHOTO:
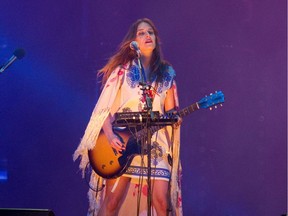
(151, 125)
(148, 98)
(149, 191)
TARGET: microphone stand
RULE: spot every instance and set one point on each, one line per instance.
(148, 107)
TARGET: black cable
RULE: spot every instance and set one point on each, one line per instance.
(88, 180)
(170, 161)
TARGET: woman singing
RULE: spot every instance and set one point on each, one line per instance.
(122, 79)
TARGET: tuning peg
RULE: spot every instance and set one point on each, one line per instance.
(221, 105)
(215, 107)
(210, 108)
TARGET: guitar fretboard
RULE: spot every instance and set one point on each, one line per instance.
(187, 110)
(184, 112)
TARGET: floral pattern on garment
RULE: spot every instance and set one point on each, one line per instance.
(156, 153)
(133, 76)
(167, 78)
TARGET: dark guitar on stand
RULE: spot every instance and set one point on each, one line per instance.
(108, 163)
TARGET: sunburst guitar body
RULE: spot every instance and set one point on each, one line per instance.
(109, 163)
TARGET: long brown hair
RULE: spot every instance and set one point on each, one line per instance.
(125, 54)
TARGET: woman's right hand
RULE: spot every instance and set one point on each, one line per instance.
(116, 143)
(113, 139)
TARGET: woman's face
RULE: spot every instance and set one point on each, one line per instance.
(145, 37)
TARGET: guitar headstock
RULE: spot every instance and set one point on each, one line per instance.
(212, 100)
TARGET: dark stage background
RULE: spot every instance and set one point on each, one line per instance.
(234, 158)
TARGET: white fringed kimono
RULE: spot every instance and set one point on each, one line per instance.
(122, 93)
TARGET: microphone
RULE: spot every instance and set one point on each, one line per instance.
(134, 46)
(18, 54)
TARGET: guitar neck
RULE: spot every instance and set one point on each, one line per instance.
(144, 132)
(182, 113)
(187, 110)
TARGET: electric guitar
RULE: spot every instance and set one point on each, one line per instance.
(108, 163)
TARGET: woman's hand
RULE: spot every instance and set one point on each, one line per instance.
(113, 139)
(116, 143)
(178, 123)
